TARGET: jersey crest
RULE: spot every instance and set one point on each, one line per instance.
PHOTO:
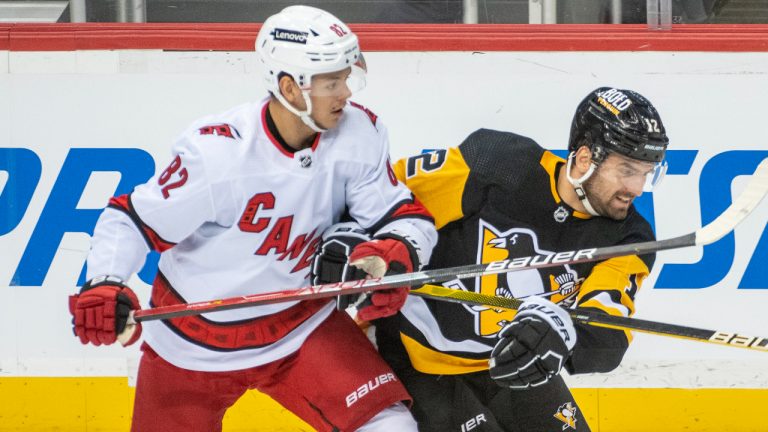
(558, 284)
(280, 240)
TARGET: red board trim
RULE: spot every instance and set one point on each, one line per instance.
(395, 37)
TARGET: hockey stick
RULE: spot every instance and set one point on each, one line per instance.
(442, 293)
(744, 204)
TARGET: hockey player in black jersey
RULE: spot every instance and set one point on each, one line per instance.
(497, 196)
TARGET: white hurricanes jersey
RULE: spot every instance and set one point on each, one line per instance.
(235, 214)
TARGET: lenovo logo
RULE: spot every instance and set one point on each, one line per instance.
(290, 36)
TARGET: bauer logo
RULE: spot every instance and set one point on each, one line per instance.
(473, 423)
(653, 147)
(368, 387)
(290, 36)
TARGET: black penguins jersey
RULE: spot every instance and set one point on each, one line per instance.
(494, 197)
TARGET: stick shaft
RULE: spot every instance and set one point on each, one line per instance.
(725, 223)
(413, 279)
(589, 317)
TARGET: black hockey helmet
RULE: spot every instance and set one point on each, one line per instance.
(620, 121)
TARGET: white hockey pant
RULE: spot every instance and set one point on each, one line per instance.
(394, 418)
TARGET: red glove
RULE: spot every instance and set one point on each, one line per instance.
(100, 312)
(377, 258)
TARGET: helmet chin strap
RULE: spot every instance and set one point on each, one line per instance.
(305, 116)
(577, 183)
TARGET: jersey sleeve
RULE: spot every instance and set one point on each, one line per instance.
(612, 285)
(610, 288)
(458, 182)
(385, 207)
(117, 247)
(178, 199)
(438, 180)
(157, 215)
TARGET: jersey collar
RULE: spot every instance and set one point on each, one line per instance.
(270, 129)
(551, 165)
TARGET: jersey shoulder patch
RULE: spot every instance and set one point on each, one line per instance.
(222, 129)
(371, 116)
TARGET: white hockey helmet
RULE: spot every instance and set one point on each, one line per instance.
(303, 41)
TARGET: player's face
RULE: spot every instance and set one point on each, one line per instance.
(617, 181)
(329, 93)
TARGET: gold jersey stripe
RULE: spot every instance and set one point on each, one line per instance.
(549, 162)
(427, 360)
(614, 275)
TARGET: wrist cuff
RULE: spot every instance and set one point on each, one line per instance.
(103, 280)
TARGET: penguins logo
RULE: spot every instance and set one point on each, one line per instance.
(566, 413)
(559, 284)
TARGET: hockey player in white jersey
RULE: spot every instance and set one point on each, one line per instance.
(240, 210)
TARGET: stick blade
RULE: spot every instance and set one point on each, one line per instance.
(746, 202)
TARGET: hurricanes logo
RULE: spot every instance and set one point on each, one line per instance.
(558, 284)
(566, 413)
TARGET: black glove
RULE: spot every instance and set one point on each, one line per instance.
(534, 347)
(331, 265)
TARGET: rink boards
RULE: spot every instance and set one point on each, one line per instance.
(89, 110)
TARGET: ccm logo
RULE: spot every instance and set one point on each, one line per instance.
(369, 387)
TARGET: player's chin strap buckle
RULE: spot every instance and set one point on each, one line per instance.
(577, 183)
